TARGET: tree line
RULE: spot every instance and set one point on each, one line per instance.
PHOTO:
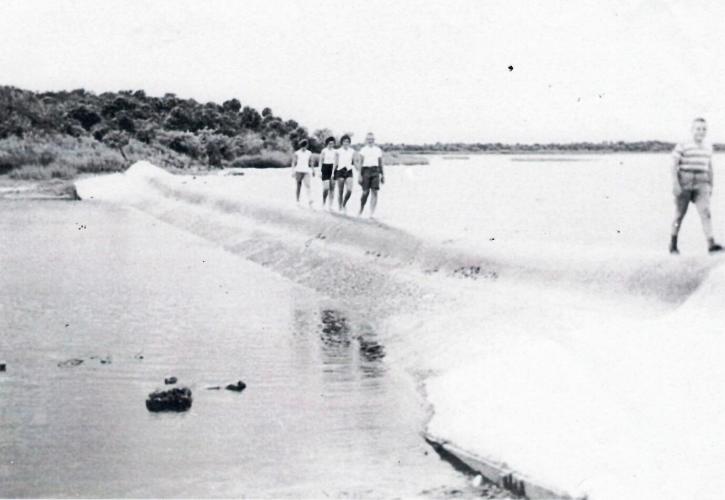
(212, 134)
(208, 133)
(517, 148)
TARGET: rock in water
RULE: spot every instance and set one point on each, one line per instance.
(177, 399)
(170, 380)
(70, 363)
(238, 387)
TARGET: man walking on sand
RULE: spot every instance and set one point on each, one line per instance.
(692, 179)
(371, 173)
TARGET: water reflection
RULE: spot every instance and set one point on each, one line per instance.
(350, 343)
(335, 331)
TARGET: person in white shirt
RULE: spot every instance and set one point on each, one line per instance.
(343, 171)
(327, 164)
(302, 165)
(371, 172)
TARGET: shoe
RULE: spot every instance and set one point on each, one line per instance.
(714, 248)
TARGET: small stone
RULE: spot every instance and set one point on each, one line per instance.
(177, 399)
(68, 363)
(3, 367)
(477, 481)
(170, 380)
(213, 388)
(238, 387)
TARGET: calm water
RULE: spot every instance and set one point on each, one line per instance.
(137, 300)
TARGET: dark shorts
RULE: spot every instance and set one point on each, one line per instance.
(370, 178)
(694, 181)
(326, 171)
(343, 173)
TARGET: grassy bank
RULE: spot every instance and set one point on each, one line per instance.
(46, 157)
(43, 157)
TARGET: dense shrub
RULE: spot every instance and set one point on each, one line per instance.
(268, 159)
(245, 144)
(84, 132)
(85, 117)
(41, 172)
(185, 143)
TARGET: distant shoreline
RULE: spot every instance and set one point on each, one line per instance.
(573, 148)
(461, 154)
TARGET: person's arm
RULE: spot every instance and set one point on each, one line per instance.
(335, 163)
(676, 155)
(357, 163)
(357, 160)
(293, 163)
(380, 166)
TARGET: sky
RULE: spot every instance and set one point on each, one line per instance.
(411, 71)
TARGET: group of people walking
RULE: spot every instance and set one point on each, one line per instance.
(338, 166)
(692, 174)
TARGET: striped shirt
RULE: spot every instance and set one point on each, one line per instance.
(693, 158)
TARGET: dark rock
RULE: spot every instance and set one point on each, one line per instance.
(3, 367)
(177, 399)
(170, 380)
(213, 388)
(238, 387)
(68, 363)
(371, 350)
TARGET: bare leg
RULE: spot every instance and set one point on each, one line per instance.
(332, 192)
(348, 192)
(340, 189)
(299, 188)
(373, 202)
(308, 190)
(681, 204)
(325, 191)
(702, 203)
(364, 199)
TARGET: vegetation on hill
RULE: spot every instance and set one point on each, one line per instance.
(59, 134)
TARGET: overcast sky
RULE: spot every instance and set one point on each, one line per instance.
(410, 71)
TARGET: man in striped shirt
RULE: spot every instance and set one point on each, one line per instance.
(692, 182)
